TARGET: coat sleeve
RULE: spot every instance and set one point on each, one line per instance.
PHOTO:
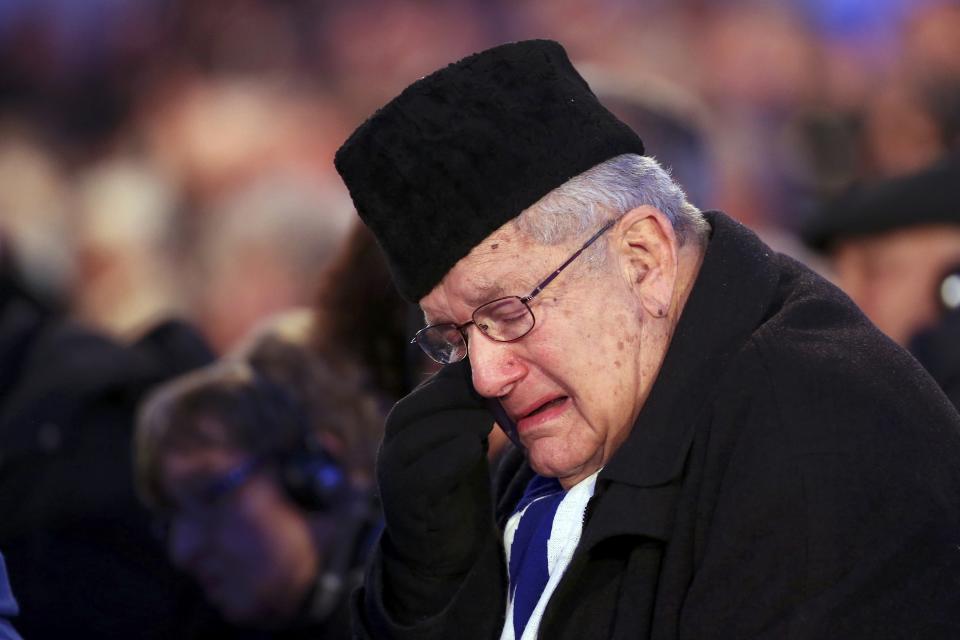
(837, 512)
(476, 610)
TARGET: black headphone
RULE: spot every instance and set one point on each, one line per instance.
(309, 474)
(316, 482)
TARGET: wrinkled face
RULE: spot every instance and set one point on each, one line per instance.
(250, 549)
(574, 384)
(894, 276)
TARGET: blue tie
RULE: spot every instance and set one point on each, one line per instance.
(528, 553)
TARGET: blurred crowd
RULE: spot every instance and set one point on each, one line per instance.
(167, 156)
(173, 159)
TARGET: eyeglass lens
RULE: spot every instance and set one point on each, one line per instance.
(503, 320)
(443, 343)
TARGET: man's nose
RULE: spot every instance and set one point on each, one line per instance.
(496, 366)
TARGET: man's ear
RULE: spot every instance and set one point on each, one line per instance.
(649, 253)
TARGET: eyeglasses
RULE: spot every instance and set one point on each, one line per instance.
(503, 320)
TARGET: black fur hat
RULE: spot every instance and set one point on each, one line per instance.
(467, 148)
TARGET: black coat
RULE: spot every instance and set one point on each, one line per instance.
(793, 474)
(82, 557)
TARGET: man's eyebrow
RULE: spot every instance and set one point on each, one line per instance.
(484, 292)
(480, 294)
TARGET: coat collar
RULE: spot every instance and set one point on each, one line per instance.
(730, 298)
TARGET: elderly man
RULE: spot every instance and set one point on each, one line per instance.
(711, 441)
(894, 246)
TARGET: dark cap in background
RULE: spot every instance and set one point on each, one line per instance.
(927, 197)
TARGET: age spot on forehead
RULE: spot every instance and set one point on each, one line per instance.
(616, 363)
(619, 345)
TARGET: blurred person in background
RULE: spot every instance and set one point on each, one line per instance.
(258, 252)
(78, 544)
(260, 465)
(372, 49)
(894, 100)
(35, 213)
(894, 247)
(933, 61)
(214, 132)
(361, 319)
(125, 240)
(678, 123)
(756, 173)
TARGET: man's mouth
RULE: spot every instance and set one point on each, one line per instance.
(545, 406)
(542, 412)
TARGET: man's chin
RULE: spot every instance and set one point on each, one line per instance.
(568, 471)
(549, 466)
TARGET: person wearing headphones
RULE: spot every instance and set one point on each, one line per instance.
(894, 246)
(259, 467)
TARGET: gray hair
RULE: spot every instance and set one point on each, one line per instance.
(608, 191)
